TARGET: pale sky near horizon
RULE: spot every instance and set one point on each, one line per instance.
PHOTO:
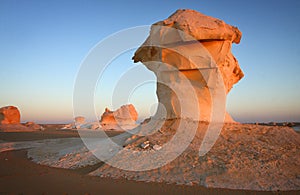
(42, 45)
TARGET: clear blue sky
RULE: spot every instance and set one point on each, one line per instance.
(42, 44)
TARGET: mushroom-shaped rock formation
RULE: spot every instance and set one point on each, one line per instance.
(123, 118)
(191, 46)
(9, 115)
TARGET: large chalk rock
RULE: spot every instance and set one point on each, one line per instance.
(9, 115)
(191, 52)
(123, 118)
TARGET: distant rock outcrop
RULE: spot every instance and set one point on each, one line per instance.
(80, 124)
(174, 53)
(122, 118)
(79, 120)
(10, 121)
(34, 126)
(9, 115)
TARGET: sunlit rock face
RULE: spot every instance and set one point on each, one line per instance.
(9, 115)
(121, 118)
(194, 47)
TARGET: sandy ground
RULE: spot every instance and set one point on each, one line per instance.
(18, 175)
(250, 157)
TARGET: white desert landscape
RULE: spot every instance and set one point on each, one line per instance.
(190, 145)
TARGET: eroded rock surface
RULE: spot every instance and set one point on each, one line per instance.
(251, 157)
(9, 115)
(126, 115)
(191, 46)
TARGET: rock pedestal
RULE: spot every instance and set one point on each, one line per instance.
(190, 53)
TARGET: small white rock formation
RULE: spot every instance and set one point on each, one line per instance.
(80, 124)
(174, 57)
(122, 119)
(79, 120)
(34, 126)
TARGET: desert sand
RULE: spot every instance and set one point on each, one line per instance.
(19, 175)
